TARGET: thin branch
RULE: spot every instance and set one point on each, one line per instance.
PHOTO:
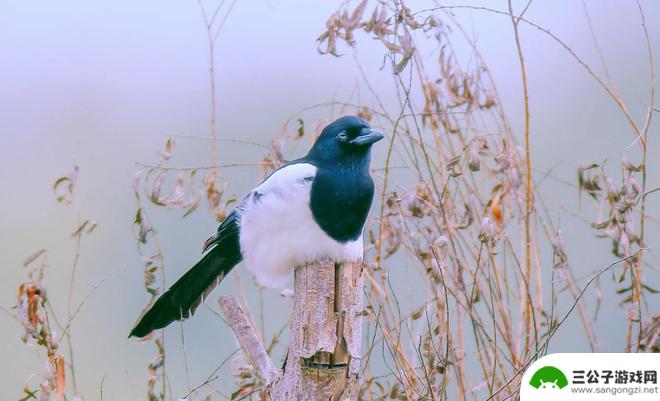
(528, 176)
(224, 139)
(212, 376)
(207, 167)
(222, 23)
(250, 342)
(89, 294)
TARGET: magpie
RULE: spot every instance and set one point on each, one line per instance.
(311, 208)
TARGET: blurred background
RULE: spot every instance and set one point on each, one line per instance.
(102, 85)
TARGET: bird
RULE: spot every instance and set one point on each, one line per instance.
(309, 209)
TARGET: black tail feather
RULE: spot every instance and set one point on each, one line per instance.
(181, 300)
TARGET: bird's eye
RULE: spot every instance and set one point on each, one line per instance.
(342, 136)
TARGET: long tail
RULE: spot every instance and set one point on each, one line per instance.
(181, 300)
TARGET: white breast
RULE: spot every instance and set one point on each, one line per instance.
(278, 232)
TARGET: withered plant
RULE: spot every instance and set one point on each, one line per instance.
(44, 327)
(458, 205)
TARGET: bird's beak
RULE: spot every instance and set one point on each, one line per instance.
(369, 138)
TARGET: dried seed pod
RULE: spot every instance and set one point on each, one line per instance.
(474, 163)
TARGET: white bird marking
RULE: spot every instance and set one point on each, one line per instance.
(278, 231)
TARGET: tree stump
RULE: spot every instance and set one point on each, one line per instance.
(323, 360)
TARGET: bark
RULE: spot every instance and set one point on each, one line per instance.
(323, 361)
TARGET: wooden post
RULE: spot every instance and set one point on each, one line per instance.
(323, 361)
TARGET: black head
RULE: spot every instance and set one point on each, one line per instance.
(346, 139)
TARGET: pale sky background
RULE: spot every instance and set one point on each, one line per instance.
(102, 85)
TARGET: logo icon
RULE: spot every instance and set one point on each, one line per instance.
(549, 377)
